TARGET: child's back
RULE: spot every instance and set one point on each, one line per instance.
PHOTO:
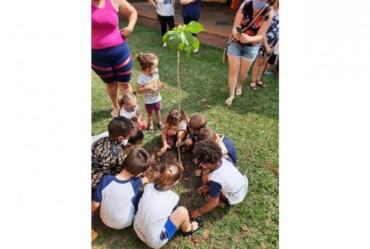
(119, 195)
(118, 199)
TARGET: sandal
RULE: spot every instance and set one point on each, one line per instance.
(239, 91)
(160, 126)
(229, 101)
(150, 130)
(260, 83)
(198, 220)
(253, 85)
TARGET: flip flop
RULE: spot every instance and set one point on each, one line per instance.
(260, 83)
(200, 225)
(253, 85)
(229, 101)
(150, 130)
(238, 91)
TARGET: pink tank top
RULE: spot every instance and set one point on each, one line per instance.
(105, 29)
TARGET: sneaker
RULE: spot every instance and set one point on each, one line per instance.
(196, 50)
(164, 45)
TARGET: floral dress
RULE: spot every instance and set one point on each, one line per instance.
(272, 36)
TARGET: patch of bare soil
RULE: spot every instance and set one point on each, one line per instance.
(189, 183)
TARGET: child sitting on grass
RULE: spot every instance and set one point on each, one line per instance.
(227, 147)
(118, 195)
(159, 216)
(221, 179)
(197, 122)
(174, 129)
(148, 83)
(107, 153)
(130, 110)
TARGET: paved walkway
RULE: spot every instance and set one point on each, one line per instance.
(217, 20)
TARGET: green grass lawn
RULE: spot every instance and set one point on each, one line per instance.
(252, 123)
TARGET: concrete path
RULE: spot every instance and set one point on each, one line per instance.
(217, 19)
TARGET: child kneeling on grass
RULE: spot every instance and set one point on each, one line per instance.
(227, 147)
(159, 216)
(220, 178)
(174, 130)
(119, 195)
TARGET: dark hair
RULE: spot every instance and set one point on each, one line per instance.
(169, 173)
(146, 60)
(137, 161)
(207, 151)
(137, 137)
(206, 133)
(174, 117)
(119, 126)
(198, 121)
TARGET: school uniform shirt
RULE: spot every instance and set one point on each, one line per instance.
(228, 148)
(119, 200)
(227, 179)
(155, 207)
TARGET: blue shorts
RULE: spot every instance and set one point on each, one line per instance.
(249, 53)
(112, 64)
(169, 230)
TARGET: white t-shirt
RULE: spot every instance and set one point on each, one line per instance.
(118, 200)
(165, 7)
(130, 115)
(97, 137)
(154, 209)
(228, 180)
(150, 97)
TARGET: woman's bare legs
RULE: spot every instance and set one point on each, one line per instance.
(234, 67)
(112, 91)
(243, 73)
(258, 68)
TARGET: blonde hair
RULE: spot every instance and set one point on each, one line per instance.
(146, 60)
(127, 98)
(169, 174)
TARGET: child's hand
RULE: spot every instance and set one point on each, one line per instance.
(163, 149)
(203, 189)
(196, 213)
(162, 85)
(198, 172)
(178, 143)
(144, 180)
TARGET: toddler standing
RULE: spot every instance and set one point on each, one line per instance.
(149, 84)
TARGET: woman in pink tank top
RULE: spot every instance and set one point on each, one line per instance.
(111, 56)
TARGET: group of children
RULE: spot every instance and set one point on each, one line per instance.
(117, 177)
(125, 196)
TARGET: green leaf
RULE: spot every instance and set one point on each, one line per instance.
(181, 46)
(194, 27)
(196, 42)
